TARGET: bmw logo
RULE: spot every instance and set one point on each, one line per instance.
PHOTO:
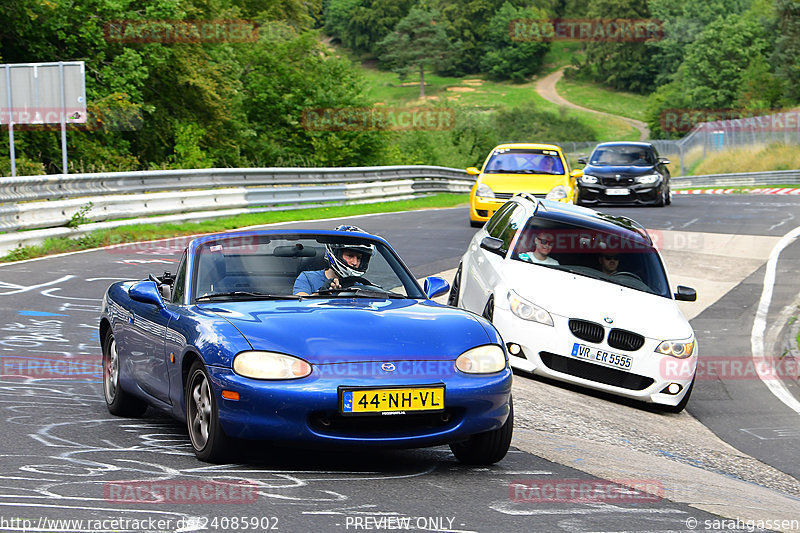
(387, 367)
(608, 320)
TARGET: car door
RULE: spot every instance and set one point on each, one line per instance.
(486, 270)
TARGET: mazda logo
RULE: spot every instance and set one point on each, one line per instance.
(387, 367)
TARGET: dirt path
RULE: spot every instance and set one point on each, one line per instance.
(546, 87)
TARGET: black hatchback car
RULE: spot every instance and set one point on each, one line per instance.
(624, 173)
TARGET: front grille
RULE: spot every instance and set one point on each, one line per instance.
(625, 340)
(503, 195)
(596, 373)
(388, 425)
(611, 182)
(588, 331)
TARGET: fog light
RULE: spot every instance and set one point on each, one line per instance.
(514, 349)
(672, 388)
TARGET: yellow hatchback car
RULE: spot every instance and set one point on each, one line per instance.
(538, 169)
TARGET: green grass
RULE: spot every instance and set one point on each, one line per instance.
(560, 55)
(741, 189)
(473, 91)
(595, 96)
(147, 232)
(798, 339)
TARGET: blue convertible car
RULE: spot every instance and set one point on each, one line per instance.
(319, 337)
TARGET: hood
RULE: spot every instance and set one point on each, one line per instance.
(622, 170)
(574, 296)
(532, 183)
(359, 329)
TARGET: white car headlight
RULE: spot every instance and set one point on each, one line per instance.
(589, 179)
(270, 365)
(484, 191)
(557, 193)
(680, 349)
(527, 310)
(482, 360)
(648, 178)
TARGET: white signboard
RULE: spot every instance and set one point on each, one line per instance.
(39, 93)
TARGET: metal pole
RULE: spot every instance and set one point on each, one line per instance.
(64, 167)
(10, 124)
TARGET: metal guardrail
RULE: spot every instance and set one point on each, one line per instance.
(744, 179)
(46, 205)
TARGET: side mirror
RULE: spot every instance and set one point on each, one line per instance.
(582, 160)
(435, 286)
(473, 171)
(686, 294)
(663, 160)
(146, 292)
(576, 174)
(493, 244)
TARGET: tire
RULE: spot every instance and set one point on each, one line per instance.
(662, 198)
(118, 402)
(476, 224)
(486, 448)
(488, 311)
(682, 404)
(209, 442)
(455, 289)
(669, 196)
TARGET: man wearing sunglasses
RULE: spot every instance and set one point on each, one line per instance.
(541, 253)
(609, 263)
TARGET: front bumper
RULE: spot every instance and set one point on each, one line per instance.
(596, 194)
(307, 409)
(547, 351)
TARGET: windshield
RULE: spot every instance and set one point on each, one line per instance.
(273, 266)
(524, 161)
(620, 258)
(637, 156)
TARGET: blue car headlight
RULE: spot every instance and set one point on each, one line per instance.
(270, 365)
(482, 360)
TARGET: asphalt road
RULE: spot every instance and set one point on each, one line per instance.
(62, 454)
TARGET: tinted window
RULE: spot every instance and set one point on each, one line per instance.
(622, 155)
(500, 217)
(524, 161)
(620, 258)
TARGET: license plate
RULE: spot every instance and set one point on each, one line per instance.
(617, 192)
(597, 355)
(392, 401)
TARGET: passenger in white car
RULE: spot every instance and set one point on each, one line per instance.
(543, 245)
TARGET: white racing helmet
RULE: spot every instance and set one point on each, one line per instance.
(334, 251)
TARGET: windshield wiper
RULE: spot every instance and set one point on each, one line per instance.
(248, 294)
(363, 292)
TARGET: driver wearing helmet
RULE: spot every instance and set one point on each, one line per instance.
(346, 260)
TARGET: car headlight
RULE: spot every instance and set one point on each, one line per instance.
(589, 179)
(270, 365)
(648, 178)
(679, 349)
(482, 360)
(527, 310)
(484, 190)
(558, 192)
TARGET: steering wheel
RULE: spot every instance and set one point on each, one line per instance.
(627, 274)
(349, 281)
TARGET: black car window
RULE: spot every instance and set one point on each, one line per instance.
(179, 285)
(499, 215)
(507, 225)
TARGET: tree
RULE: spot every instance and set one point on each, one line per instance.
(508, 59)
(786, 57)
(362, 24)
(417, 41)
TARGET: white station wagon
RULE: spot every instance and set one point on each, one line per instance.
(582, 297)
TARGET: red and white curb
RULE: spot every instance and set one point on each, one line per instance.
(739, 191)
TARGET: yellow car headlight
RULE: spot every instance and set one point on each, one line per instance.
(482, 360)
(270, 365)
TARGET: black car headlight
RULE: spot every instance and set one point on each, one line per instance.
(588, 179)
(648, 179)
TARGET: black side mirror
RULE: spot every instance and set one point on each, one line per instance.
(686, 294)
(582, 160)
(493, 244)
(663, 160)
